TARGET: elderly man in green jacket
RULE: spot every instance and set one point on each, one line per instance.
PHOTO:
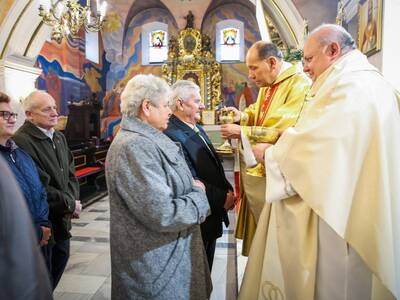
(49, 150)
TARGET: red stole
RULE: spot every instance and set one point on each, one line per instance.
(266, 103)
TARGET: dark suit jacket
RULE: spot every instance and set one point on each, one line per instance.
(206, 166)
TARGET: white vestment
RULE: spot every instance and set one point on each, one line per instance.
(342, 159)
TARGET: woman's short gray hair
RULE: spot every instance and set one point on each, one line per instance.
(184, 90)
(143, 87)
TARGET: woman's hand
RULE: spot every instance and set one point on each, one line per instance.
(199, 184)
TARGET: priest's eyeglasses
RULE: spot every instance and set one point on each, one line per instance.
(8, 115)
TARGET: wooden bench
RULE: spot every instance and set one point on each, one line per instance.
(89, 170)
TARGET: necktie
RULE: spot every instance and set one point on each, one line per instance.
(197, 130)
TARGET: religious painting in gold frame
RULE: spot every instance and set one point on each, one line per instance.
(189, 42)
(195, 75)
(370, 26)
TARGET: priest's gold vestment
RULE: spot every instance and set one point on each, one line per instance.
(286, 97)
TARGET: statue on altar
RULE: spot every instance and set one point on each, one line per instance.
(189, 20)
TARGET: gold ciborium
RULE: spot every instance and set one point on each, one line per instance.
(226, 117)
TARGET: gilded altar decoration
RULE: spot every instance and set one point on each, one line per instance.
(275, 35)
(173, 48)
(190, 58)
(189, 42)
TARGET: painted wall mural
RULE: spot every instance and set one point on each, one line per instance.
(237, 90)
(67, 75)
(126, 63)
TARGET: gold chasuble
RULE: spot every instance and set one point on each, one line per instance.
(342, 158)
(278, 107)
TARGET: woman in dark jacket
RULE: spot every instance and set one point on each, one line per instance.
(24, 169)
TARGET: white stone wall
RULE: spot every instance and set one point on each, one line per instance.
(391, 42)
(17, 80)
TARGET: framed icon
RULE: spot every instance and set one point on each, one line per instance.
(370, 26)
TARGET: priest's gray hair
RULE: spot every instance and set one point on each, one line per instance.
(143, 87)
(330, 33)
(265, 50)
(30, 101)
(183, 90)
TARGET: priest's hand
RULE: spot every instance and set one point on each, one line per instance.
(237, 113)
(259, 151)
(230, 131)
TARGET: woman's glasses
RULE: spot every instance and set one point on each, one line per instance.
(7, 115)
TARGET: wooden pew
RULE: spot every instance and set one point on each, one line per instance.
(89, 169)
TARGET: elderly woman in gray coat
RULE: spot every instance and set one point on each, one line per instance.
(156, 206)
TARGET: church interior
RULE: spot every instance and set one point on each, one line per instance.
(84, 59)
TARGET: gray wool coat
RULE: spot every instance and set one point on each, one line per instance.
(155, 239)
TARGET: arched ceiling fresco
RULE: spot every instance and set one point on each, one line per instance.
(23, 33)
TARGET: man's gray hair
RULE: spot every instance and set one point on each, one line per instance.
(184, 90)
(335, 33)
(143, 87)
(30, 101)
(265, 50)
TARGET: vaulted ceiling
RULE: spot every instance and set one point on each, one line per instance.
(22, 31)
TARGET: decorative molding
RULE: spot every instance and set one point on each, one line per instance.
(12, 20)
(261, 20)
(20, 63)
(33, 37)
(287, 20)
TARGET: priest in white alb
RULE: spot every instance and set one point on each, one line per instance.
(334, 184)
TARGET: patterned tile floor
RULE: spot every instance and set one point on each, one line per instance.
(87, 275)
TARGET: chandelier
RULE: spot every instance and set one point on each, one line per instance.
(67, 17)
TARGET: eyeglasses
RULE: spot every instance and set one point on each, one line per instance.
(7, 115)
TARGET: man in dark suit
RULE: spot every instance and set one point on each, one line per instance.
(202, 160)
